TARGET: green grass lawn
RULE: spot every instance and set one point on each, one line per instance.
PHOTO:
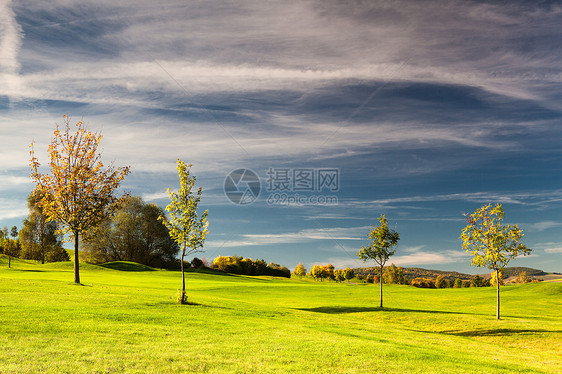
(122, 320)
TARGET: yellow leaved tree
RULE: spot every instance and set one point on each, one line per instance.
(186, 227)
(491, 243)
(79, 192)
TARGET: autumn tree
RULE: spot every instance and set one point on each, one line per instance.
(440, 282)
(491, 243)
(383, 241)
(458, 283)
(348, 274)
(300, 270)
(186, 227)
(339, 275)
(80, 191)
(494, 278)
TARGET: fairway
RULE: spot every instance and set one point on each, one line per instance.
(124, 319)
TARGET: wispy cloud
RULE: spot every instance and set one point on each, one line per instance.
(307, 235)
(10, 44)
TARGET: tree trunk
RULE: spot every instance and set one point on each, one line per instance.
(497, 294)
(9, 261)
(380, 282)
(76, 265)
(182, 279)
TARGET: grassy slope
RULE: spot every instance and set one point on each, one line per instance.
(126, 321)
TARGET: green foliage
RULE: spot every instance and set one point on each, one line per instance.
(339, 275)
(491, 243)
(247, 266)
(383, 240)
(134, 233)
(348, 274)
(184, 225)
(39, 238)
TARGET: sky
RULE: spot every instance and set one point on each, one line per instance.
(336, 113)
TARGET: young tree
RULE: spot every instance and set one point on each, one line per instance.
(491, 243)
(300, 270)
(79, 193)
(383, 241)
(186, 227)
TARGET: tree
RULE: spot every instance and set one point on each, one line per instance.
(440, 282)
(383, 241)
(329, 271)
(39, 239)
(133, 233)
(186, 227)
(318, 272)
(339, 275)
(80, 192)
(300, 270)
(491, 243)
(11, 247)
(348, 274)
(476, 281)
(458, 283)
(522, 278)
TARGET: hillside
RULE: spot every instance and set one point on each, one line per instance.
(124, 319)
(452, 275)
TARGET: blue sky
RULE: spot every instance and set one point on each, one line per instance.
(427, 111)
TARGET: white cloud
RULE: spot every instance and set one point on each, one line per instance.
(545, 225)
(425, 257)
(336, 233)
(548, 247)
(10, 44)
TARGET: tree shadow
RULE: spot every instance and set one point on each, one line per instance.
(32, 270)
(126, 266)
(354, 309)
(498, 332)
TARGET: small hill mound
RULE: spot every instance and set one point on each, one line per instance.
(126, 266)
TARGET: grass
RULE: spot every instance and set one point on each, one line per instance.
(124, 319)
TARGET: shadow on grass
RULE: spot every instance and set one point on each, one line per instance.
(32, 270)
(126, 266)
(498, 332)
(352, 309)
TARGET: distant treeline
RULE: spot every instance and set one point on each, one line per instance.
(397, 275)
(247, 266)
